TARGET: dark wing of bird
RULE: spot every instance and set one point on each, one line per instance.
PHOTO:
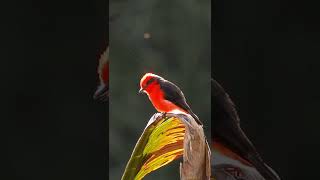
(226, 130)
(176, 96)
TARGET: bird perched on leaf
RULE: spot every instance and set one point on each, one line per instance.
(165, 96)
(228, 137)
(103, 71)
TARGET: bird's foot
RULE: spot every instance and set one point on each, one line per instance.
(163, 115)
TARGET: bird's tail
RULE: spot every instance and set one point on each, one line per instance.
(227, 129)
(264, 169)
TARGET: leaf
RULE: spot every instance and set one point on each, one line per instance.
(165, 139)
(160, 143)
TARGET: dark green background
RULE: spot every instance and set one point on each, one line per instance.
(179, 50)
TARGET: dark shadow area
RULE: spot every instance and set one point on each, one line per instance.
(266, 56)
(48, 71)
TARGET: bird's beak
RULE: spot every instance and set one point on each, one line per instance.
(141, 90)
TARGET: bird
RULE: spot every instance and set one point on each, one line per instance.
(103, 71)
(164, 95)
(227, 136)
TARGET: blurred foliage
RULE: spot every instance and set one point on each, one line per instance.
(169, 38)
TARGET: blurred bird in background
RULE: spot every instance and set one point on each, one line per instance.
(229, 140)
(102, 92)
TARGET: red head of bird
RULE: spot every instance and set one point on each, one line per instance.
(149, 83)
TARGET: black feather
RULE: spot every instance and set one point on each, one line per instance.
(173, 94)
(226, 130)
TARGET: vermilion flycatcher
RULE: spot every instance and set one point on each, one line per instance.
(228, 137)
(103, 71)
(165, 96)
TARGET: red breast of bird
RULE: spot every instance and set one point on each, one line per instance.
(223, 150)
(103, 68)
(104, 75)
